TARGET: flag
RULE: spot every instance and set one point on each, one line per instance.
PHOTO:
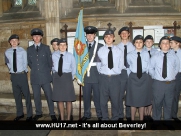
(80, 50)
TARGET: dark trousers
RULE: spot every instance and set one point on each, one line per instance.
(163, 95)
(37, 97)
(124, 81)
(88, 88)
(109, 89)
(176, 95)
(20, 85)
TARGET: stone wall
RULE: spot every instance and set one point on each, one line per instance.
(23, 30)
(54, 21)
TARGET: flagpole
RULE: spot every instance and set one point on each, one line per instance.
(80, 89)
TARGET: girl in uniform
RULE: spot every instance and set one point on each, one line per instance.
(138, 94)
(148, 41)
(65, 68)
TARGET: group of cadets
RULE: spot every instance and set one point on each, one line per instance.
(148, 79)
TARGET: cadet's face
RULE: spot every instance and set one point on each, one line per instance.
(90, 37)
(138, 44)
(149, 43)
(174, 44)
(62, 47)
(14, 42)
(55, 46)
(37, 38)
(165, 45)
(109, 39)
(124, 35)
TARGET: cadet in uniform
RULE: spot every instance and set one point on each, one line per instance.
(163, 68)
(40, 63)
(126, 46)
(54, 43)
(16, 60)
(91, 80)
(65, 69)
(175, 43)
(109, 67)
(138, 61)
(148, 41)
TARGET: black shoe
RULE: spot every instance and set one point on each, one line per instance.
(149, 118)
(145, 118)
(99, 118)
(36, 117)
(19, 117)
(128, 118)
(59, 118)
(120, 119)
(71, 118)
(176, 119)
(29, 118)
(53, 117)
(84, 119)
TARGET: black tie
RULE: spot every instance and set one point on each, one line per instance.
(175, 51)
(149, 53)
(139, 66)
(125, 55)
(14, 61)
(37, 48)
(110, 59)
(164, 70)
(89, 46)
(60, 65)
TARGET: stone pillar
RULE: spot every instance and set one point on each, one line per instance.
(1, 8)
(65, 7)
(121, 5)
(52, 19)
(41, 5)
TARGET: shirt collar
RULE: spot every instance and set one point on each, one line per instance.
(109, 46)
(63, 52)
(37, 44)
(92, 43)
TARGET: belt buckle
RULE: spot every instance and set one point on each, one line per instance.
(168, 82)
(109, 75)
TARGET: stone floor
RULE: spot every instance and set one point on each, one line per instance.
(4, 116)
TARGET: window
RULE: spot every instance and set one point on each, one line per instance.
(18, 2)
(91, 0)
(31, 2)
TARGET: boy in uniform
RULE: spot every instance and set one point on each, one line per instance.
(16, 60)
(109, 67)
(163, 68)
(91, 77)
(40, 62)
(175, 43)
(126, 46)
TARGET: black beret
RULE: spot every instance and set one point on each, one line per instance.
(36, 31)
(13, 36)
(125, 28)
(148, 37)
(54, 40)
(108, 32)
(90, 30)
(175, 38)
(138, 37)
(164, 38)
(63, 40)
